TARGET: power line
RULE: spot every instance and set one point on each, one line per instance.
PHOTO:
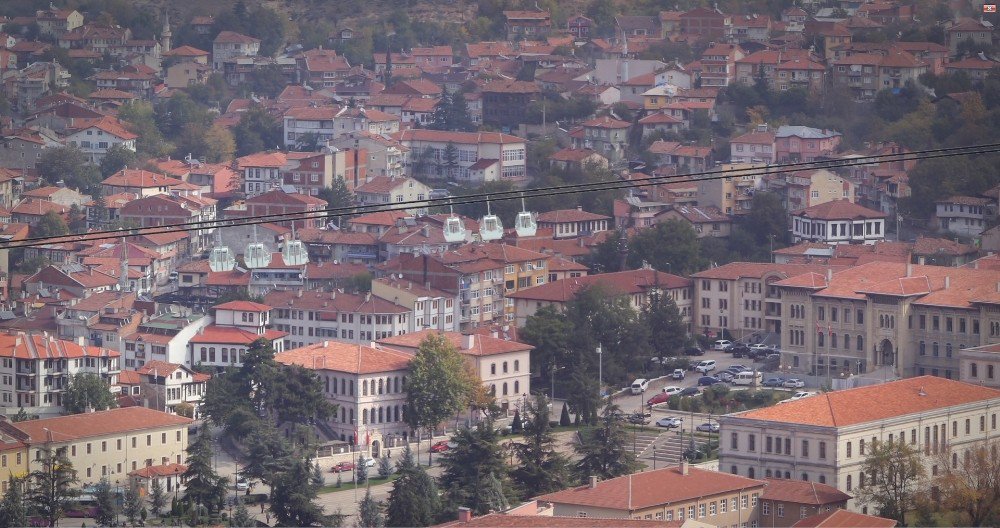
(508, 195)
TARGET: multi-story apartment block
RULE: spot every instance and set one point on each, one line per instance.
(705, 23)
(966, 216)
(279, 202)
(35, 370)
(979, 32)
(431, 308)
(750, 28)
(427, 148)
(606, 135)
(505, 103)
(753, 147)
(388, 191)
(165, 209)
(382, 157)
(106, 444)
(325, 123)
(36, 80)
(165, 386)
(310, 172)
(867, 73)
(162, 337)
(838, 222)
(54, 22)
(310, 317)
(718, 64)
(260, 172)
(800, 143)
(801, 189)
(740, 299)
(827, 437)
(782, 69)
(733, 195)
(229, 45)
(95, 137)
(368, 386)
(636, 285)
(141, 183)
(787, 501)
(527, 24)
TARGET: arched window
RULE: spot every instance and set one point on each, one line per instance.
(767, 474)
(820, 339)
(504, 367)
(395, 384)
(788, 475)
(364, 388)
(974, 368)
(849, 486)
(833, 340)
(380, 414)
(517, 365)
(395, 413)
(517, 387)
(847, 341)
(352, 415)
(493, 390)
(364, 416)
(381, 385)
(505, 388)
(493, 369)
(750, 472)
(861, 343)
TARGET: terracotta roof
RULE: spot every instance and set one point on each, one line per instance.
(838, 210)
(101, 423)
(166, 470)
(652, 488)
(562, 264)
(606, 122)
(35, 346)
(381, 218)
(844, 519)
(513, 520)
(110, 93)
(483, 345)
(262, 159)
(488, 49)
(964, 200)
(383, 184)
(232, 335)
(972, 63)
(574, 155)
(911, 396)
(510, 86)
(620, 283)
(659, 117)
(140, 178)
(802, 492)
(738, 270)
(569, 215)
(333, 302)
(243, 306)
(185, 51)
(756, 138)
(969, 24)
(941, 246)
(232, 37)
(35, 207)
(443, 136)
(345, 357)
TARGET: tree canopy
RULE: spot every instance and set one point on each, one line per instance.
(88, 391)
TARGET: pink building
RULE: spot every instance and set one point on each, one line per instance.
(800, 143)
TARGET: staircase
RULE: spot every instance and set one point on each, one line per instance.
(668, 448)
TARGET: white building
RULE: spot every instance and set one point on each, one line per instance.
(428, 148)
(309, 317)
(432, 308)
(96, 138)
(237, 324)
(825, 437)
(229, 45)
(965, 216)
(753, 147)
(331, 122)
(163, 386)
(383, 190)
(838, 222)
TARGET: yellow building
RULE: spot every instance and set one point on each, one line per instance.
(13, 458)
(107, 443)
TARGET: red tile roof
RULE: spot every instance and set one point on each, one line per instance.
(511, 86)
(243, 306)
(35, 207)
(232, 37)
(738, 270)
(233, 336)
(845, 519)
(838, 210)
(606, 122)
(140, 178)
(442, 136)
(618, 283)
(802, 492)
(569, 215)
(911, 396)
(34, 346)
(482, 345)
(101, 423)
(500, 520)
(345, 357)
(262, 159)
(185, 51)
(573, 155)
(649, 489)
(166, 470)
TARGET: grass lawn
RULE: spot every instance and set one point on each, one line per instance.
(349, 485)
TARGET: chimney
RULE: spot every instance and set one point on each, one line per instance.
(326, 344)
(468, 341)
(909, 269)
(593, 481)
(464, 514)
(829, 274)
(298, 293)
(684, 467)
(947, 281)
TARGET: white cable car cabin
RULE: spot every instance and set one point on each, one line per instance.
(221, 259)
(294, 252)
(525, 224)
(454, 230)
(490, 227)
(256, 256)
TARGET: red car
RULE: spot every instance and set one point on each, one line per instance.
(439, 447)
(659, 398)
(342, 466)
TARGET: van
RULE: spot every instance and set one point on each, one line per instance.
(721, 344)
(705, 366)
(640, 385)
(748, 378)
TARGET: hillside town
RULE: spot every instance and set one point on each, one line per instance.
(500, 263)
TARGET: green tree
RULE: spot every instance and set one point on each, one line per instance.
(370, 512)
(157, 497)
(257, 130)
(438, 387)
(766, 220)
(21, 416)
(293, 495)
(413, 499)
(361, 470)
(564, 420)
(895, 470)
(220, 145)
(132, 506)
(140, 119)
(267, 81)
(468, 467)
(541, 467)
(204, 488)
(604, 453)
(667, 331)
(672, 244)
(241, 516)
(384, 468)
(12, 509)
(449, 160)
(461, 121)
(970, 488)
(51, 487)
(88, 391)
(107, 507)
(117, 158)
(72, 167)
(338, 196)
(441, 117)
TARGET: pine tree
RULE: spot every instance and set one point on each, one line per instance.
(461, 121)
(604, 453)
(516, 426)
(132, 506)
(293, 495)
(21, 416)
(564, 420)
(107, 508)
(241, 516)
(441, 116)
(468, 468)
(541, 469)
(203, 488)
(12, 509)
(450, 160)
(413, 499)
(370, 512)
(494, 494)
(384, 468)
(157, 497)
(52, 485)
(361, 470)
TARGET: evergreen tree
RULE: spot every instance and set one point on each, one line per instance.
(293, 493)
(117, 158)
(667, 331)
(384, 468)
(203, 488)
(468, 468)
(494, 494)
(51, 488)
(241, 516)
(50, 225)
(604, 452)
(441, 116)
(370, 512)
(361, 470)
(132, 506)
(157, 497)
(107, 507)
(541, 469)
(21, 416)
(338, 196)
(461, 121)
(450, 160)
(515, 425)
(564, 420)
(88, 391)
(12, 509)
(413, 499)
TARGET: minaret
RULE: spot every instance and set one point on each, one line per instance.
(165, 33)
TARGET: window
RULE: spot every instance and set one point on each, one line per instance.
(805, 449)
(822, 450)
(701, 510)
(781, 509)
(751, 442)
(849, 483)
(734, 441)
(848, 450)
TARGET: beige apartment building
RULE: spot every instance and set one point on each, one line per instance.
(679, 493)
(107, 443)
(824, 437)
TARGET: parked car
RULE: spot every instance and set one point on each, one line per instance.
(721, 344)
(773, 382)
(638, 419)
(242, 484)
(708, 427)
(678, 374)
(657, 399)
(439, 447)
(705, 381)
(690, 391)
(736, 369)
(759, 346)
(725, 376)
(342, 466)
(739, 351)
(798, 396)
(694, 351)
(669, 422)
(640, 385)
(705, 365)
(671, 390)
(748, 377)
(793, 383)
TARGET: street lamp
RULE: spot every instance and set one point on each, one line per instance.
(600, 373)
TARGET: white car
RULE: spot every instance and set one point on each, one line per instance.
(794, 383)
(705, 366)
(670, 391)
(799, 395)
(669, 422)
(759, 346)
(721, 344)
